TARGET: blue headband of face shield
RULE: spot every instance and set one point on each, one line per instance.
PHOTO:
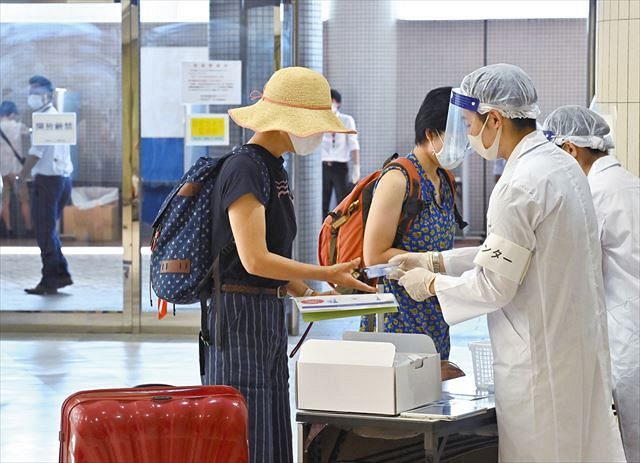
(465, 102)
(456, 143)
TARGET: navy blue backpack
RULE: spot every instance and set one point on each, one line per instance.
(181, 245)
(184, 255)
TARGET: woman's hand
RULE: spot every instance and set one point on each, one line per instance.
(342, 275)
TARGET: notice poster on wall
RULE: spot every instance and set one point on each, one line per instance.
(207, 129)
(54, 128)
(162, 112)
(212, 82)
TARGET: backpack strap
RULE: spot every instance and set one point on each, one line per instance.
(204, 339)
(333, 243)
(265, 173)
(389, 160)
(20, 159)
(413, 203)
(452, 186)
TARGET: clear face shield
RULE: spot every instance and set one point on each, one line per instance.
(462, 110)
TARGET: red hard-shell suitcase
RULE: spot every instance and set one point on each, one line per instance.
(155, 424)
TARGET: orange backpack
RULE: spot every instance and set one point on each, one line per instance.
(342, 233)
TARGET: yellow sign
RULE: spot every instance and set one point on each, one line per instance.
(208, 129)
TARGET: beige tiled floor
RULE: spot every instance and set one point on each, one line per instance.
(37, 372)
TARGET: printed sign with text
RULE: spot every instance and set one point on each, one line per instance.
(212, 82)
(54, 128)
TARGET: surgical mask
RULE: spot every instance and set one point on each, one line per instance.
(491, 153)
(448, 158)
(334, 107)
(304, 146)
(35, 101)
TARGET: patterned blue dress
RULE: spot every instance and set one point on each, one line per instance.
(432, 230)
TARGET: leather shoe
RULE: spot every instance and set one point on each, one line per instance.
(41, 290)
(64, 281)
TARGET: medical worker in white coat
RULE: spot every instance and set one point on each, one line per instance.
(537, 276)
(585, 135)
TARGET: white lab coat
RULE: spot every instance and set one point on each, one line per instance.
(616, 196)
(551, 359)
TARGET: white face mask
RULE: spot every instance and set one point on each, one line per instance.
(35, 101)
(446, 158)
(334, 107)
(302, 146)
(491, 153)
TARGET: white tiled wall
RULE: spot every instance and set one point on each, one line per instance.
(361, 63)
(618, 75)
(308, 170)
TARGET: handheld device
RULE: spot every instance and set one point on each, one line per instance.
(378, 271)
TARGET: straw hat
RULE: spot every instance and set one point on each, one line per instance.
(296, 100)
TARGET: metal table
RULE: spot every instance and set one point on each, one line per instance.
(436, 433)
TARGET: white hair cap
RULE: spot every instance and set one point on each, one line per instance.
(580, 126)
(505, 88)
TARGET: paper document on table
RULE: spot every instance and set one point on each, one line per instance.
(328, 307)
(447, 410)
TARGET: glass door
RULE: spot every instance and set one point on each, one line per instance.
(62, 231)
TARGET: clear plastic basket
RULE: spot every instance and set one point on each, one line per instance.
(482, 357)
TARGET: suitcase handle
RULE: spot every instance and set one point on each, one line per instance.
(153, 385)
(157, 397)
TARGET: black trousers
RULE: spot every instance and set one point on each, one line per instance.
(50, 195)
(335, 175)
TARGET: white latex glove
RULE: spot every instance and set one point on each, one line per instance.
(355, 173)
(412, 260)
(416, 282)
(395, 274)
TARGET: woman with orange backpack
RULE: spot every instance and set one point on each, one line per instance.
(432, 229)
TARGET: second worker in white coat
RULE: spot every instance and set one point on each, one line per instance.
(537, 276)
(585, 135)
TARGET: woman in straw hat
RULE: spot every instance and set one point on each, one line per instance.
(252, 207)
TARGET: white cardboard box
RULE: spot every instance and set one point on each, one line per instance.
(379, 373)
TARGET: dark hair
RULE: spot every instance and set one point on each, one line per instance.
(335, 95)
(519, 123)
(432, 114)
(41, 81)
(524, 124)
(7, 108)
